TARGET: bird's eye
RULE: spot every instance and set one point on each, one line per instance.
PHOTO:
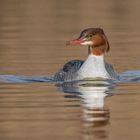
(90, 35)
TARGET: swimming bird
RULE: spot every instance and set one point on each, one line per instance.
(95, 66)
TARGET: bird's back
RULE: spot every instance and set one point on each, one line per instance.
(68, 71)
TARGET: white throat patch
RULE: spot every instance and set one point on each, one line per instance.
(87, 43)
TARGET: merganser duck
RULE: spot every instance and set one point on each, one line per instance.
(94, 67)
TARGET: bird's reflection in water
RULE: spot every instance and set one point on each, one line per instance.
(95, 114)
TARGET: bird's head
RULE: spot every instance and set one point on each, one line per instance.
(95, 39)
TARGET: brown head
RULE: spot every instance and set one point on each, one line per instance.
(95, 39)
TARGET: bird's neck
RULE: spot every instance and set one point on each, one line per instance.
(97, 60)
(97, 50)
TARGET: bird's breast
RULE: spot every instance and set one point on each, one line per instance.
(93, 67)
